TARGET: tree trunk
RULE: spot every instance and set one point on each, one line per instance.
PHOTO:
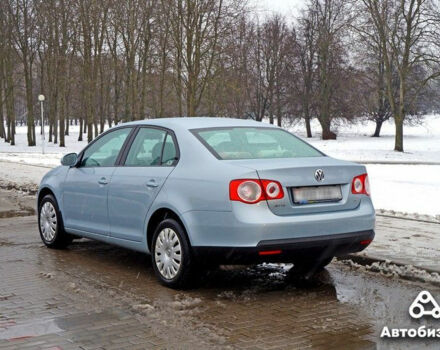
(116, 99)
(80, 134)
(101, 101)
(8, 130)
(398, 145)
(308, 126)
(279, 109)
(270, 114)
(62, 107)
(2, 125)
(30, 105)
(10, 102)
(191, 96)
(89, 131)
(10, 119)
(62, 130)
(66, 129)
(378, 128)
(55, 127)
(179, 85)
(327, 134)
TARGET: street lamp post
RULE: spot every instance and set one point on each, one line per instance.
(41, 99)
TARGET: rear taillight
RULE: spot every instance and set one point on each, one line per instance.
(360, 185)
(272, 189)
(254, 190)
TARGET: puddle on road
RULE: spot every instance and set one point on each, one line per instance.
(11, 330)
(29, 329)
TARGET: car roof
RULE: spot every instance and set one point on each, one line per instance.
(189, 123)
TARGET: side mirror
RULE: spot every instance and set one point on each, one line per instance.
(69, 159)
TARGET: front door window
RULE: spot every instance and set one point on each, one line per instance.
(105, 150)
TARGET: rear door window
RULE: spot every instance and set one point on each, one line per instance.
(152, 147)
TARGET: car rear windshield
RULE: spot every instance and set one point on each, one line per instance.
(254, 143)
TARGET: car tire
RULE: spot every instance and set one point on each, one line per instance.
(171, 255)
(50, 224)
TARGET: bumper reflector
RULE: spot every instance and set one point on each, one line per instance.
(366, 242)
(269, 252)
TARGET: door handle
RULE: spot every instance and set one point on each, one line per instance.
(152, 183)
(103, 181)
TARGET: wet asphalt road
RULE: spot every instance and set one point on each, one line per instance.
(95, 296)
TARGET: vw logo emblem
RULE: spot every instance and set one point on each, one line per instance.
(319, 175)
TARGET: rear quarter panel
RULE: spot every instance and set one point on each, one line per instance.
(200, 182)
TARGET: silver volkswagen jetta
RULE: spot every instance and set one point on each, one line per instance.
(197, 191)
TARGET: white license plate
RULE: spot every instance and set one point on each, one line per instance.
(316, 194)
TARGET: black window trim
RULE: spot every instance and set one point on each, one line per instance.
(124, 145)
(124, 155)
(196, 131)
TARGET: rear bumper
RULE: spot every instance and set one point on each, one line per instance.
(287, 250)
(248, 225)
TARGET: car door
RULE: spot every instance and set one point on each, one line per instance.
(86, 185)
(150, 159)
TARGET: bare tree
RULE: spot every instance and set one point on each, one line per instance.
(276, 50)
(93, 20)
(23, 14)
(330, 21)
(3, 38)
(8, 65)
(106, 61)
(306, 43)
(196, 30)
(404, 29)
(369, 56)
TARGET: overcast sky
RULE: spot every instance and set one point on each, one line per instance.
(285, 7)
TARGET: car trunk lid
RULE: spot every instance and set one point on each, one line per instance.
(294, 173)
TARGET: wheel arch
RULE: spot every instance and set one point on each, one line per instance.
(157, 217)
(44, 192)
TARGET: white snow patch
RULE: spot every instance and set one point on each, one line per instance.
(421, 142)
(406, 188)
(388, 269)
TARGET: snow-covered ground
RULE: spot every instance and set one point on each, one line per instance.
(406, 188)
(33, 155)
(396, 187)
(421, 142)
